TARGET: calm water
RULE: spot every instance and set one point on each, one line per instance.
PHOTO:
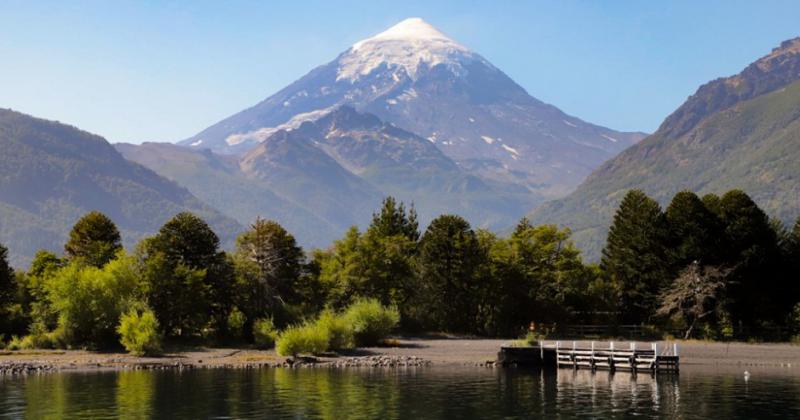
(401, 394)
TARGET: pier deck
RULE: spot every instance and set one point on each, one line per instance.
(651, 358)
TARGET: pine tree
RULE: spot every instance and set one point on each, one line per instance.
(635, 258)
(751, 248)
(794, 246)
(450, 263)
(7, 281)
(94, 239)
(189, 277)
(393, 220)
(694, 231)
(792, 266)
(187, 239)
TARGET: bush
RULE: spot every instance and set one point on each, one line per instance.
(139, 333)
(530, 339)
(14, 344)
(236, 321)
(371, 322)
(89, 300)
(40, 338)
(306, 338)
(264, 333)
(338, 329)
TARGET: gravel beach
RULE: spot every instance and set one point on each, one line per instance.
(404, 352)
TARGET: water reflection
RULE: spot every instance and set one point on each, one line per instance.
(400, 394)
(605, 392)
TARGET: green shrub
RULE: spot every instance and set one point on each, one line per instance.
(338, 329)
(264, 333)
(40, 338)
(306, 338)
(14, 344)
(530, 339)
(90, 300)
(371, 322)
(139, 333)
(236, 321)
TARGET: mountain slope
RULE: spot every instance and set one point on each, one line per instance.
(737, 132)
(417, 78)
(295, 168)
(402, 164)
(326, 175)
(218, 181)
(51, 174)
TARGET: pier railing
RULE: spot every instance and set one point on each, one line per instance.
(611, 358)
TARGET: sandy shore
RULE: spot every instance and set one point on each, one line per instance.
(435, 352)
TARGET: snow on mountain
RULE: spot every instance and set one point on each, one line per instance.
(406, 46)
(262, 133)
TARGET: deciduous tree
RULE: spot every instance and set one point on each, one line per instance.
(694, 294)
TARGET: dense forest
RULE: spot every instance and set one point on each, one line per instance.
(714, 267)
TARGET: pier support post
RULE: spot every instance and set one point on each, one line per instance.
(611, 364)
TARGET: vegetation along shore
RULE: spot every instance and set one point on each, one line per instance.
(712, 267)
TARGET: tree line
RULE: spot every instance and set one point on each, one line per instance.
(710, 266)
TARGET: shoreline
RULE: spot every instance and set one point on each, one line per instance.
(408, 352)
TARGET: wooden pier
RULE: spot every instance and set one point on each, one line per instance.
(651, 358)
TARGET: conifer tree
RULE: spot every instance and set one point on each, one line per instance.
(751, 249)
(6, 279)
(450, 263)
(189, 277)
(394, 220)
(635, 258)
(94, 239)
(694, 232)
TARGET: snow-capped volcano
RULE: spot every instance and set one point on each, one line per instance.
(416, 77)
(404, 47)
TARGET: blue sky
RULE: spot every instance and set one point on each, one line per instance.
(163, 70)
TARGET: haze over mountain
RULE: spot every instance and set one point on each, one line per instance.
(51, 174)
(418, 79)
(740, 132)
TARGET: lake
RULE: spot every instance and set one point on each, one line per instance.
(414, 393)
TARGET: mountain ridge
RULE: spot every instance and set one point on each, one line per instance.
(752, 143)
(52, 173)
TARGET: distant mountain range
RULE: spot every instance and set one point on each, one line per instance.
(326, 175)
(51, 174)
(409, 113)
(741, 132)
(418, 79)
